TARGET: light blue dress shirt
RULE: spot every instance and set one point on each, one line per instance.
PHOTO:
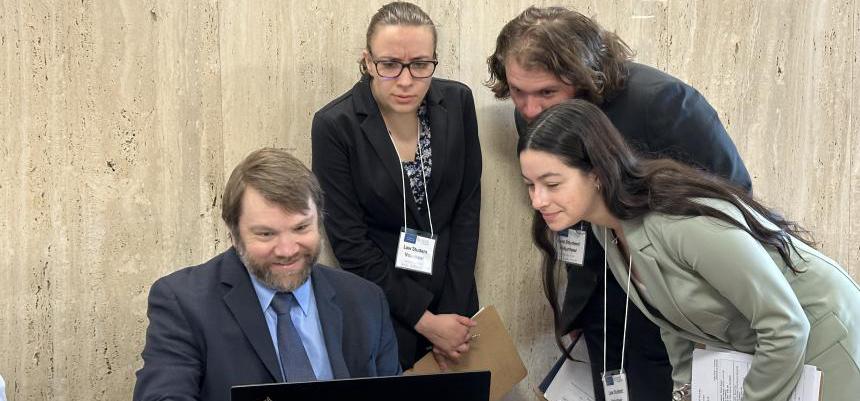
(305, 319)
(2, 389)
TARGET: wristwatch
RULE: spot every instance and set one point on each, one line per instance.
(682, 394)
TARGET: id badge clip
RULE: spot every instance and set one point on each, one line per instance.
(571, 246)
(615, 386)
(415, 251)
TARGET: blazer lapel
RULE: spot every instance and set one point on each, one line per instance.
(331, 320)
(648, 268)
(242, 301)
(373, 128)
(618, 267)
(439, 132)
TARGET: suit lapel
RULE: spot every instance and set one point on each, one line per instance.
(618, 267)
(439, 132)
(660, 306)
(373, 128)
(331, 320)
(242, 301)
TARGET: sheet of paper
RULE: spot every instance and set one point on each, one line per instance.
(718, 375)
(573, 380)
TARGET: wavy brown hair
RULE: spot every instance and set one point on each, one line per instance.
(566, 43)
(582, 137)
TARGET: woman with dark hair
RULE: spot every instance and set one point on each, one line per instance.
(399, 161)
(547, 55)
(708, 263)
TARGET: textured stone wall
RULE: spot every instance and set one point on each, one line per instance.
(119, 120)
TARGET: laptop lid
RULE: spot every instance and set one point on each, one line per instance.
(461, 386)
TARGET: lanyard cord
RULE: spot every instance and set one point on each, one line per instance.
(605, 270)
(424, 177)
(626, 304)
(403, 178)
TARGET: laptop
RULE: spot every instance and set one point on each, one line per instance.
(461, 386)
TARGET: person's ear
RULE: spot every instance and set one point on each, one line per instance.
(365, 55)
(595, 180)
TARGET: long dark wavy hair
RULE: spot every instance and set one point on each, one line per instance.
(566, 43)
(582, 137)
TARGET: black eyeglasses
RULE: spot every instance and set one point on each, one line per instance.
(393, 69)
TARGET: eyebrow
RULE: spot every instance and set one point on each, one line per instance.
(551, 87)
(419, 58)
(543, 176)
(307, 220)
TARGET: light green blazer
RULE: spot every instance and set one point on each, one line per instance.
(708, 282)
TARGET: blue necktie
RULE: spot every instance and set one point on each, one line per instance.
(294, 358)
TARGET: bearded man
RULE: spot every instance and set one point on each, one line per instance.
(264, 311)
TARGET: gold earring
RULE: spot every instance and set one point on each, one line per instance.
(598, 186)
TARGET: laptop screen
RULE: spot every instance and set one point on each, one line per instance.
(462, 386)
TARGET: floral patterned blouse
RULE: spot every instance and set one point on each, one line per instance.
(424, 152)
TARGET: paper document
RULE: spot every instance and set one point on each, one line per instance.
(718, 375)
(573, 380)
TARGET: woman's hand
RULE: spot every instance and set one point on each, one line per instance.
(449, 334)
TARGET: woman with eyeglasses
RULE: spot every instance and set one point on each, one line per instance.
(399, 161)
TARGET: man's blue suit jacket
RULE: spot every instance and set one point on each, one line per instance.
(207, 331)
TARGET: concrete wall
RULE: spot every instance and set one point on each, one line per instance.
(121, 118)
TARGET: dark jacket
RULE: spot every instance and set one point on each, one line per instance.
(207, 331)
(659, 116)
(357, 167)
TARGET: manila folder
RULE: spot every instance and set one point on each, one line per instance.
(491, 349)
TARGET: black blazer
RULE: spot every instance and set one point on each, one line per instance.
(357, 167)
(207, 332)
(659, 116)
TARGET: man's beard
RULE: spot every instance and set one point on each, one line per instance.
(278, 281)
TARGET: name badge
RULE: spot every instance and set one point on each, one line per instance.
(415, 251)
(615, 386)
(571, 246)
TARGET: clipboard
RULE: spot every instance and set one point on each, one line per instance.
(492, 349)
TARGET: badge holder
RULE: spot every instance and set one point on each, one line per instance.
(415, 249)
(615, 386)
(570, 244)
(615, 382)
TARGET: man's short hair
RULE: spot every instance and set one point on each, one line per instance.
(279, 177)
(565, 43)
